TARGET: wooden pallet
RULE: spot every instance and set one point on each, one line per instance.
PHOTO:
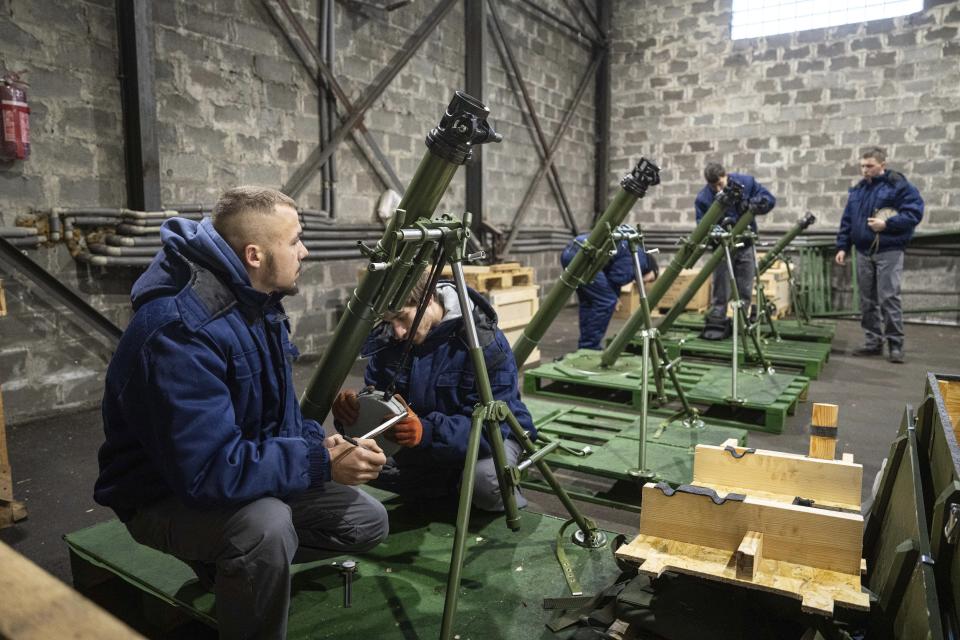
(498, 276)
(770, 398)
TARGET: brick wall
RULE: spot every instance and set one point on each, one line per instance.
(791, 109)
(235, 105)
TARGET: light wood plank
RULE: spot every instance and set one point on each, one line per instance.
(3, 300)
(950, 391)
(816, 538)
(833, 483)
(36, 606)
(824, 416)
(818, 590)
(749, 555)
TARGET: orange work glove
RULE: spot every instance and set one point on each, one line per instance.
(409, 431)
(346, 407)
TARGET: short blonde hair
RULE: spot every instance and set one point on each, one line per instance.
(233, 212)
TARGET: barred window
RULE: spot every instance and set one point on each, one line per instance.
(755, 18)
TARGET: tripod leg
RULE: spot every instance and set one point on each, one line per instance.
(463, 523)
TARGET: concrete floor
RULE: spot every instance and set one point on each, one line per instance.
(54, 460)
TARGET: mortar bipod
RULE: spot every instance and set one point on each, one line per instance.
(488, 415)
(764, 306)
(661, 361)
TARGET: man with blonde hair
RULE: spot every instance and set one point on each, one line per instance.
(207, 455)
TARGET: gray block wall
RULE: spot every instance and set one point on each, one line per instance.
(235, 106)
(792, 109)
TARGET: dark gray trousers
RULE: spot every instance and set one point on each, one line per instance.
(248, 548)
(415, 483)
(744, 266)
(881, 315)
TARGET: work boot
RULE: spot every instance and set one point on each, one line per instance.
(896, 355)
(867, 350)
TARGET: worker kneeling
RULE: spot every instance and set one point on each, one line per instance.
(438, 387)
(598, 299)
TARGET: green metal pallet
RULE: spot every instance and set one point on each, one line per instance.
(613, 437)
(769, 398)
(819, 331)
(807, 357)
(397, 593)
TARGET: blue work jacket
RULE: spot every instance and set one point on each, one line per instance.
(890, 190)
(753, 192)
(439, 382)
(199, 400)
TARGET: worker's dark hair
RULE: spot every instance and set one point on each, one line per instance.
(713, 172)
(416, 294)
(232, 214)
(876, 153)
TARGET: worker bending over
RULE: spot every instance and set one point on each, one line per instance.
(598, 298)
(438, 385)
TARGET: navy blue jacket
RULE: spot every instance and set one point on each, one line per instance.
(598, 298)
(889, 190)
(439, 381)
(753, 191)
(618, 270)
(199, 400)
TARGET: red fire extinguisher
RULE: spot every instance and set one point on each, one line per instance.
(15, 134)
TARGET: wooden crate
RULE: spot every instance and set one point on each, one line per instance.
(515, 306)
(777, 272)
(513, 335)
(630, 301)
(699, 302)
(777, 292)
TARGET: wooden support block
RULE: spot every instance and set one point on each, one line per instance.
(10, 510)
(749, 555)
(818, 538)
(823, 431)
(779, 476)
(3, 300)
(817, 589)
(950, 391)
(34, 604)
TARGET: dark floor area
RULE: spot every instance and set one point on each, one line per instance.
(54, 460)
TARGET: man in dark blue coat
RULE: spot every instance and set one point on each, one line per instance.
(598, 298)
(755, 196)
(881, 213)
(438, 384)
(207, 456)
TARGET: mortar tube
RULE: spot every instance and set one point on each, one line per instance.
(449, 145)
(590, 258)
(771, 256)
(705, 272)
(687, 254)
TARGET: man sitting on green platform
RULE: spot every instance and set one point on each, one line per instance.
(207, 456)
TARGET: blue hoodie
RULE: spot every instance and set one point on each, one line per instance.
(439, 382)
(753, 193)
(199, 400)
(890, 190)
